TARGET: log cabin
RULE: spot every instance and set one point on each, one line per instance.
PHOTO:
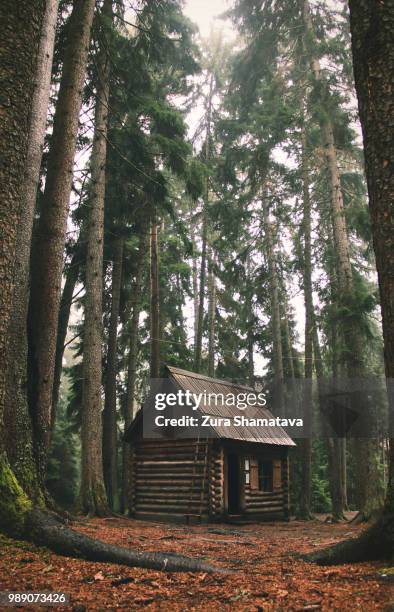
(240, 473)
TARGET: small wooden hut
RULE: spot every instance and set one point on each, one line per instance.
(240, 474)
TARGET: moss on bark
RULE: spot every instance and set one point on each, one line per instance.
(14, 503)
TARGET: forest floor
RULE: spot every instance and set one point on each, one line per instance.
(265, 575)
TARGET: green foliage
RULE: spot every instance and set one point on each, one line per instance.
(63, 462)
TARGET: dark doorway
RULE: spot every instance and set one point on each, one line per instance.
(233, 483)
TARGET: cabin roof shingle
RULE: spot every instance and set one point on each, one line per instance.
(198, 383)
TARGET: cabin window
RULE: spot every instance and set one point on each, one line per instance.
(265, 476)
(247, 471)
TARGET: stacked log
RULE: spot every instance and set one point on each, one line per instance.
(170, 478)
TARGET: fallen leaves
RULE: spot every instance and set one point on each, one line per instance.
(266, 576)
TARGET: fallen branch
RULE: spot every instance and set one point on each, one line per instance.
(46, 530)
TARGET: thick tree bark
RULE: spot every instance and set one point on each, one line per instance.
(72, 274)
(154, 303)
(21, 29)
(92, 497)
(275, 314)
(353, 357)
(19, 53)
(16, 412)
(305, 504)
(110, 437)
(372, 25)
(211, 316)
(47, 262)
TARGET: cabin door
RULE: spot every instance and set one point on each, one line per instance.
(233, 484)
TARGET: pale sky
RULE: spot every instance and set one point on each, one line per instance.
(203, 13)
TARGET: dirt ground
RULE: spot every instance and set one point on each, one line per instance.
(265, 575)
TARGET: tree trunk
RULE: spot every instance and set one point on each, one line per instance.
(130, 412)
(335, 444)
(250, 322)
(372, 25)
(72, 274)
(204, 237)
(18, 449)
(275, 315)
(353, 358)
(342, 450)
(155, 303)
(288, 349)
(21, 29)
(195, 300)
(110, 438)
(305, 505)
(201, 297)
(373, 62)
(21, 26)
(334, 472)
(92, 497)
(211, 317)
(47, 261)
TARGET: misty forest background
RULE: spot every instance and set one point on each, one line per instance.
(200, 203)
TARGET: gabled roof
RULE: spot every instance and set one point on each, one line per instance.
(198, 383)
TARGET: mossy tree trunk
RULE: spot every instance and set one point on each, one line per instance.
(19, 449)
(19, 55)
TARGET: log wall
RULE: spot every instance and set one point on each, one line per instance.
(171, 479)
(216, 480)
(182, 479)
